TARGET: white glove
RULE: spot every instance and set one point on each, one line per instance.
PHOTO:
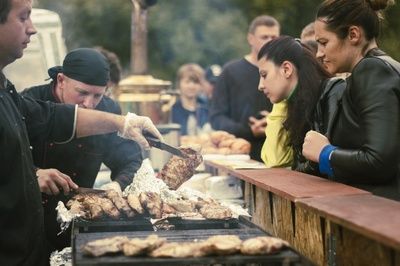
(134, 127)
(112, 186)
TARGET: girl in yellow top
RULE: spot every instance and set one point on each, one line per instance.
(292, 79)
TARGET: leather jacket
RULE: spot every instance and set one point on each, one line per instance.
(325, 109)
(366, 127)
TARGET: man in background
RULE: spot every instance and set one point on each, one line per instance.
(237, 106)
(82, 80)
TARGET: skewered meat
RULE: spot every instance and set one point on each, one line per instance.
(138, 246)
(152, 203)
(120, 203)
(262, 245)
(179, 250)
(222, 245)
(134, 203)
(177, 170)
(213, 211)
(104, 246)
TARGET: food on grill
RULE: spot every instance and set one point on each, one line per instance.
(151, 202)
(138, 246)
(104, 246)
(111, 204)
(177, 170)
(93, 204)
(222, 245)
(214, 211)
(179, 250)
(262, 245)
(155, 246)
(183, 205)
(120, 203)
(134, 203)
(218, 142)
(109, 209)
(76, 207)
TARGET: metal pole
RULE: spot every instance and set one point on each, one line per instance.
(139, 39)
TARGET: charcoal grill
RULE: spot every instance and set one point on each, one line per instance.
(244, 230)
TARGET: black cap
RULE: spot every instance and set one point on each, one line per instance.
(212, 73)
(85, 65)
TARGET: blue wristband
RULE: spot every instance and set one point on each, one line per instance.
(324, 162)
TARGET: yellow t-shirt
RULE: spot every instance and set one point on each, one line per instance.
(275, 151)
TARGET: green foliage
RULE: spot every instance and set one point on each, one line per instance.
(182, 31)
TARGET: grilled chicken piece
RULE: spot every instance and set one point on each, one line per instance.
(262, 245)
(213, 211)
(179, 250)
(222, 245)
(77, 208)
(120, 203)
(109, 208)
(167, 209)
(104, 246)
(134, 203)
(93, 204)
(152, 203)
(138, 246)
(177, 170)
(182, 205)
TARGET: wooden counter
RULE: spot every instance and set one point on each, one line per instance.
(328, 222)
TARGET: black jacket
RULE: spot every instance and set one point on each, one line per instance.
(235, 99)
(326, 109)
(366, 128)
(81, 158)
(21, 212)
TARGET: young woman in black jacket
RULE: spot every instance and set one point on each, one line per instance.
(362, 147)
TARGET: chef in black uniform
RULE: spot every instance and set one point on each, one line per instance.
(22, 120)
(81, 80)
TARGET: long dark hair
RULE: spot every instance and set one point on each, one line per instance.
(311, 75)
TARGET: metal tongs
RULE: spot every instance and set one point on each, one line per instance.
(156, 143)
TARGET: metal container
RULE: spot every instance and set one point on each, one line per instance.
(145, 95)
(171, 135)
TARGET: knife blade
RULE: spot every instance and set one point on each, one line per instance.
(156, 143)
(85, 190)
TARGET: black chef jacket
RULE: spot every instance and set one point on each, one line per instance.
(21, 212)
(81, 159)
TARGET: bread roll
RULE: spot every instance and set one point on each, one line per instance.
(240, 146)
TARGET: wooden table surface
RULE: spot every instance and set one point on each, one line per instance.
(291, 184)
(376, 217)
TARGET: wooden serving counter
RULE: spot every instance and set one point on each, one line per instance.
(328, 222)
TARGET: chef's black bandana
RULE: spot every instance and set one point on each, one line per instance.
(85, 65)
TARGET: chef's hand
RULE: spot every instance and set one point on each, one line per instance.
(112, 186)
(51, 181)
(134, 126)
(257, 126)
(313, 144)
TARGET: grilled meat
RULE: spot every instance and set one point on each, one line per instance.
(120, 203)
(152, 203)
(134, 203)
(93, 204)
(109, 208)
(178, 250)
(213, 211)
(104, 246)
(262, 245)
(177, 170)
(138, 246)
(222, 245)
(182, 205)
